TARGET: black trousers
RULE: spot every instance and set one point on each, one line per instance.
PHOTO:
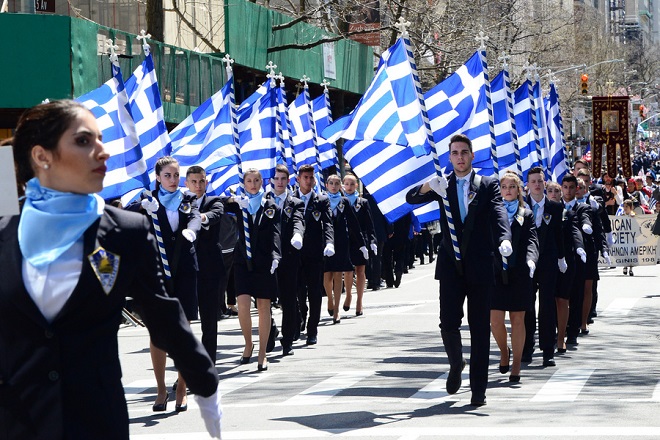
(545, 280)
(373, 268)
(575, 302)
(287, 279)
(310, 290)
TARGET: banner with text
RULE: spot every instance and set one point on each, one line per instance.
(633, 243)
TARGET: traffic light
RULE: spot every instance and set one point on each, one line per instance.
(641, 111)
(584, 84)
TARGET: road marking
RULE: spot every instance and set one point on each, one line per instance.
(236, 383)
(436, 390)
(619, 307)
(656, 393)
(325, 390)
(563, 386)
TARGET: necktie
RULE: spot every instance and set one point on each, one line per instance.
(461, 199)
(304, 199)
(278, 199)
(535, 209)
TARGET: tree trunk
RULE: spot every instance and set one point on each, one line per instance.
(155, 20)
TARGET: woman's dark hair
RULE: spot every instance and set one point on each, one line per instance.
(162, 163)
(43, 125)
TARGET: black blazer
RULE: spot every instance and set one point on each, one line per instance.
(208, 247)
(264, 235)
(63, 379)
(363, 214)
(318, 227)
(346, 228)
(551, 242)
(486, 224)
(524, 242)
(572, 219)
(292, 222)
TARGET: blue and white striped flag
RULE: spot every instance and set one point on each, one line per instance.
(524, 110)
(557, 152)
(322, 119)
(205, 137)
(542, 122)
(147, 112)
(302, 136)
(127, 169)
(503, 129)
(390, 110)
(223, 179)
(283, 144)
(257, 127)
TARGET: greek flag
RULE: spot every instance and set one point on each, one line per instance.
(322, 119)
(257, 127)
(283, 145)
(147, 112)
(523, 110)
(126, 167)
(557, 155)
(302, 137)
(390, 110)
(222, 180)
(503, 134)
(205, 137)
(542, 122)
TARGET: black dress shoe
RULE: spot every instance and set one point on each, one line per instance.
(505, 368)
(311, 340)
(181, 408)
(360, 313)
(287, 351)
(584, 332)
(302, 325)
(454, 379)
(514, 378)
(272, 336)
(561, 350)
(159, 407)
(526, 358)
(336, 321)
(478, 401)
(262, 367)
(246, 359)
(549, 362)
(571, 341)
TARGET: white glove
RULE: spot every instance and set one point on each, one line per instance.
(211, 410)
(296, 241)
(274, 266)
(505, 248)
(582, 254)
(608, 260)
(562, 265)
(532, 268)
(150, 206)
(374, 248)
(610, 239)
(587, 229)
(243, 202)
(365, 252)
(439, 184)
(329, 250)
(189, 235)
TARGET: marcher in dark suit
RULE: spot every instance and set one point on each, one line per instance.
(572, 294)
(63, 291)
(382, 228)
(209, 256)
(363, 213)
(481, 224)
(180, 223)
(547, 218)
(292, 230)
(513, 284)
(317, 243)
(255, 277)
(394, 254)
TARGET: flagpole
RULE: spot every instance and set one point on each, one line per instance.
(512, 117)
(529, 68)
(287, 126)
(234, 125)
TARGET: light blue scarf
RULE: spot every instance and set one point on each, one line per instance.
(170, 200)
(353, 197)
(582, 200)
(52, 221)
(511, 208)
(334, 199)
(255, 201)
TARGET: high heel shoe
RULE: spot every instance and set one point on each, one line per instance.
(331, 312)
(505, 368)
(181, 407)
(514, 378)
(159, 407)
(246, 359)
(262, 367)
(336, 321)
(360, 313)
(347, 308)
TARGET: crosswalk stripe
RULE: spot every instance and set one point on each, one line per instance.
(656, 393)
(235, 383)
(619, 307)
(563, 386)
(325, 390)
(436, 390)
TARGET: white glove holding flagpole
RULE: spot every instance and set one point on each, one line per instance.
(297, 241)
(505, 248)
(532, 268)
(150, 206)
(211, 410)
(274, 266)
(189, 235)
(329, 250)
(608, 260)
(582, 254)
(374, 248)
(562, 265)
(243, 202)
(365, 252)
(587, 229)
(439, 184)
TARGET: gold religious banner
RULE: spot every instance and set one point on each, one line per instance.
(611, 117)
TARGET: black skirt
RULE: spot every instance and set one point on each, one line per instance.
(516, 295)
(257, 284)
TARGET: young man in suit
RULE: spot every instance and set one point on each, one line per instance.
(481, 225)
(209, 258)
(547, 216)
(292, 230)
(318, 241)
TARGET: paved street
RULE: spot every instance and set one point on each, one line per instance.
(382, 376)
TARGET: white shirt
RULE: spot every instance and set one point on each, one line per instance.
(51, 286)
(173, 219)
(308, 195)
(466, 189)
(539, 213)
